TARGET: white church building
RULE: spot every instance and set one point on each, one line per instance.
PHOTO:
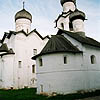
(70, 61)
(17, 69)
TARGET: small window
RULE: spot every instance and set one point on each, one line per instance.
(34, 51)
(41, 88)
(20, 64)
(62, 25)
(27, 30)
(93, 59)
(65, 59)
(70, 26)
(33, 68)
(40, 62)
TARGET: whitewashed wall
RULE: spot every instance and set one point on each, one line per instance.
(55, 76)
(7, 71)
(23, 24)
(24, 51)
(23, 47)
(78, 74)
(78, 25)
(93, 69)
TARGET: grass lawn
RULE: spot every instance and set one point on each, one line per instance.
(30, 94)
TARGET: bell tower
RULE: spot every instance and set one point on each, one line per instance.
(62, 21)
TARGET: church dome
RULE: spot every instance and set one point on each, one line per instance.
(23, 14)
(63, 1)
(77, 15)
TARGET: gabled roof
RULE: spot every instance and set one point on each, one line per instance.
(82, 39)
(5, 49)
(8, 35)
(56, 44)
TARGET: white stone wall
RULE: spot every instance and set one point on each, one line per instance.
(6, 71)
(68, 6)
(78, 25)
(23, 24)
(24, 51)
(65, 22)
(1, 68)
(23, 47)
(93, 69)
(55, 76)
(61, 20)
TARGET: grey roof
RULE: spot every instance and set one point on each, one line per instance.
(63, 1)
(56, 44)
(82, 39)
(77, 14)
(4, 48)
(23, 14)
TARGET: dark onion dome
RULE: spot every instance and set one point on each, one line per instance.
(63, 1)
(77, 15)
(23, 14)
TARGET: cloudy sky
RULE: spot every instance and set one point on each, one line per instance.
(45, 12)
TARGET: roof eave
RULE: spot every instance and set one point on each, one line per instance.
(41, 54)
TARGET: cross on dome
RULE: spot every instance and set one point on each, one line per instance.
(23, 4)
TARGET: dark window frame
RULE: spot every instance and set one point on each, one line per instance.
(40, 62)
(93, 59)
(65, 59)
(33, 68)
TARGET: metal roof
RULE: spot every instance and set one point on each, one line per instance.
(23, 14)
(57, 44)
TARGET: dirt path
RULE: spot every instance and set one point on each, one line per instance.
(91, 98)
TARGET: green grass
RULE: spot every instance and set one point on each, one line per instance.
(21, 94)
(30, 94)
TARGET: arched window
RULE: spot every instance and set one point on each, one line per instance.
(35, 51)
(20, 64)
(93, 59)
(33, 68)
(70, 26)
(40, 62)
(62, 25)
(27, 30)
(65, 59)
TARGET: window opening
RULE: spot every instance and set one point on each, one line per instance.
(62, 25)
(40, 62)
(70, 26)
(93, 59)
(41, 88)
(20, 64)
(65, 59)
(33, 68)
(27, 30)
(34, 51)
